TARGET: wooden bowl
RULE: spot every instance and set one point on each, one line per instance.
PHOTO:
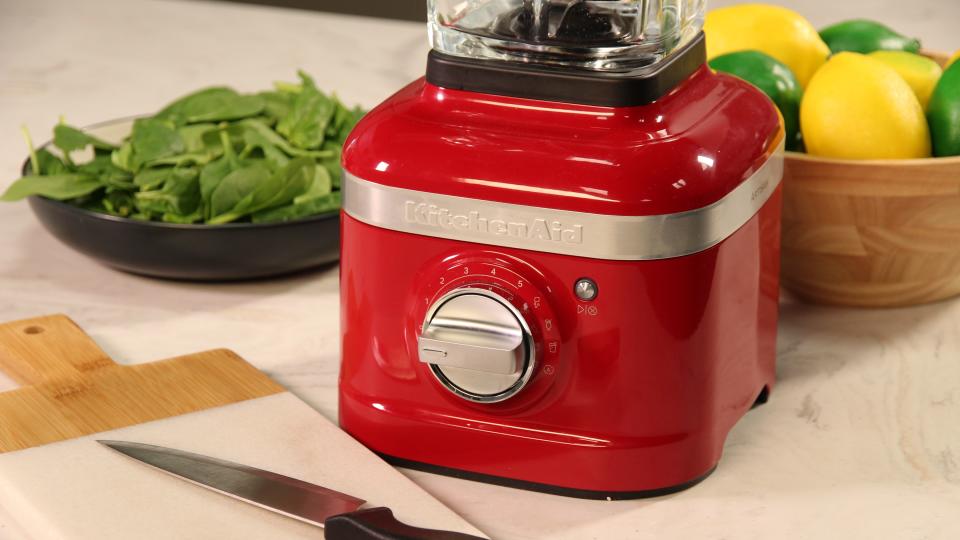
(872, 233)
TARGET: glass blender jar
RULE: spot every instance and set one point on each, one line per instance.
(601, 35)
(616, 53)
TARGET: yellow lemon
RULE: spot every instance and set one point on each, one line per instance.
(774, 30)
(857, 107)
(920, 72)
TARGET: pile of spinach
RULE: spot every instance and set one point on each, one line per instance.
(214, 156)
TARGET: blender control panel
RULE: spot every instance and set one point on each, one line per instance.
(489, 329)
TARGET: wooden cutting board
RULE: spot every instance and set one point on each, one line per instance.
(58, 483)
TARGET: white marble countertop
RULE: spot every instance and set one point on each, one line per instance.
(861, 438)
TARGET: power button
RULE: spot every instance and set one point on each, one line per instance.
(585, 289)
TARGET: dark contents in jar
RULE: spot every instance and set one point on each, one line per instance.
(575, 23)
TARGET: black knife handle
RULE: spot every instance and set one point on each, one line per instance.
(379, 524)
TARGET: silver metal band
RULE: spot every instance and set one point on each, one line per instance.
(598, 236)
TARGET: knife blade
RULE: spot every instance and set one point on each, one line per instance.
(338, 513)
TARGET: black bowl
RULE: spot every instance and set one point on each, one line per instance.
(193, 252)
(234, 251)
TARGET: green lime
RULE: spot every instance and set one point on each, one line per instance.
(943, 113)
(774, 79)
(865, 36)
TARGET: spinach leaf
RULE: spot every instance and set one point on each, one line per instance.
(306, 123)
(225, 108)
(180, 194)
(215, 104)
(233, 189)
(281, 188)
(196, 158)
(110, 175)
(174, 112)
(263, 132)
(153, 139)
(210, 178)
(257, 140)
(276, 105)
(68, 139)
(332, 164)
(290, 182)
(319, 205)
(321, 186)
(119, 203)
(123, 157)
(214, 172)
(183, 219)
(193, 137)
(150, 179)
(55, 186)
(47, 163)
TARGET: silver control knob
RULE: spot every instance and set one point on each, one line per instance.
(478, 345)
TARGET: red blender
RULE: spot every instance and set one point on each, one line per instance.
(560, 251)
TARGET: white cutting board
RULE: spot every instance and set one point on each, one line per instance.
(78, 489)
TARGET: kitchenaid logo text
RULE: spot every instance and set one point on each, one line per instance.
(432, 215)
(761, 189)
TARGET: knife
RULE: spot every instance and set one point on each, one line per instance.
(338, 513)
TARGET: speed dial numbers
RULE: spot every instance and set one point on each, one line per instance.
(522, 297)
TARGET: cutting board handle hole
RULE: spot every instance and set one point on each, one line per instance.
(33, 330)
